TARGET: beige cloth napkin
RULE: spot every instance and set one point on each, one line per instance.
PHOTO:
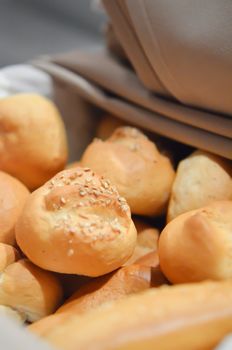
(105, 83)
(186, 45)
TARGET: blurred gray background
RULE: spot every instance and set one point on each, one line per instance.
(29, 28)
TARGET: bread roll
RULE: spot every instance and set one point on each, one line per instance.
(197, 245)
(77, 223)
(200, 179)
(8, 255)
(107, 125)
(33, 292)
(192, 316)
(115, 286)
(141, 174)
(33, 144)
(147, 241)
(150, 259)
(13, 195)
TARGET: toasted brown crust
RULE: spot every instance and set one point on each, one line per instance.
(13, 195)
(77, 223)
(200, 179)
(141, 174)
(197, 245)
(33, 140)
(193, 316)
(33, 292)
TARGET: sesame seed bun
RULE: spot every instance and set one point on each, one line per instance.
(200, 179)
(33, 144)
(8, 255)
(134, 165)
(13, 195)
(77, 223)
(197, 245)
(33, 292)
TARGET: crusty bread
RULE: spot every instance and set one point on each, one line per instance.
(197, 245)
(33, 292)
(8, 255)
(115, 286)
(33, 144)
(107, 125)
(200, 179)
(192, 316)
(77, 223)
(13, 195)
(134, 165)
(147, 241)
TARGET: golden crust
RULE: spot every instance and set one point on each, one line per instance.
(147, 241)
(33, 144)
(200, 179)
(197, 245)
(115, 286)
(193, 316)
(77, 223)
(13, 195)
(141, 174)
(33, 292)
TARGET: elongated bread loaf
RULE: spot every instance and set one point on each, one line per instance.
(193, 317)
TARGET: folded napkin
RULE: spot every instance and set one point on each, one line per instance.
(106, 83)
(180, 48)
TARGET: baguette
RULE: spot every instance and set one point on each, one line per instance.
(193, 317)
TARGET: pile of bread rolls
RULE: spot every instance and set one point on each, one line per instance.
(121, 249)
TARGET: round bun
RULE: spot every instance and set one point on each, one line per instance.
(33, 142)
(77, 223)
(107, 126)
(32, 292)
(197, 245)
(141, 174)
(147, 241)
(200, 179)
(8, 255)
(193, 316)
(13, 195)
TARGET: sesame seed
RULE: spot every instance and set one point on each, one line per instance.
(87, 169)
(63, 200)
(82, 192)
(70, 252)
(124, 207)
